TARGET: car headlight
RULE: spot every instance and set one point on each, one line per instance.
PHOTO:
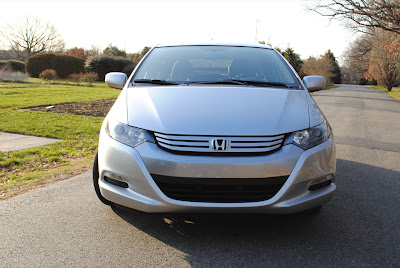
(128, 135)
(311, 137)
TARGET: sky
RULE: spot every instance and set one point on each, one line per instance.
(131, 25)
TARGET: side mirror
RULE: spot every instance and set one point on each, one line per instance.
(116, 80)
(314, 82)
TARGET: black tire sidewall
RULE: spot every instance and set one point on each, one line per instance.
(96, 177)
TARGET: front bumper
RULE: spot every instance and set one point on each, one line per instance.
(135, 166)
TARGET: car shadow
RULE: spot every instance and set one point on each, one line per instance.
(363, 214)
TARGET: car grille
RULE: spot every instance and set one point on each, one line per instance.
(214, 144)
(219, 190)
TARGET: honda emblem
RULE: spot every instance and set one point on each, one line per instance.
(219, 144)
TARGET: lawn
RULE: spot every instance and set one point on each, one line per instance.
(25, 169)
(332, 86)
(395, 93)
(22, 95)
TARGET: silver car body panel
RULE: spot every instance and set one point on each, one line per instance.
(316, 115)
(162, 162)
(143, 193)
(223, 110)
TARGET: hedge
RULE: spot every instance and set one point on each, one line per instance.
(64, 65)
(17, 66)
(104, 64)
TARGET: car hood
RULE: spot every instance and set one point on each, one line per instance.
(220, 110)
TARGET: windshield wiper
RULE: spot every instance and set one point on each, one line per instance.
(225, 81)
(155, 81)
(243, 83)
(267, 84)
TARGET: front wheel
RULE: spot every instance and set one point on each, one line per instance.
(96, 177)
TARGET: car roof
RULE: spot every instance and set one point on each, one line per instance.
(216, 44)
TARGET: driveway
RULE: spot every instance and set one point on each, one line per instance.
(65, 225)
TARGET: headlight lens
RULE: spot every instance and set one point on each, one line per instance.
(311, 137)
(128, 135)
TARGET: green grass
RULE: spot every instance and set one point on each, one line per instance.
(53, 125)
(395, 93)
(21, 95)
(24, 169)
(331, 87)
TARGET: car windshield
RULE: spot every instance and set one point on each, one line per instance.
(219, 64)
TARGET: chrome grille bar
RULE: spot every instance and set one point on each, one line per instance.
(236, 144)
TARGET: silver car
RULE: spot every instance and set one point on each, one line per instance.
(215, 128)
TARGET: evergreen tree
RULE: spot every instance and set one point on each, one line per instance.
(113, 51)
(336, 74)
(293, 58)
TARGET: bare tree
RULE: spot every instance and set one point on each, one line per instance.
(385, 59)
(319, 66)
(357, 58)
(31, 36)
(378, 51)
(362, 15)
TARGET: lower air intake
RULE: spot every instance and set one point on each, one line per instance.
(219, 190)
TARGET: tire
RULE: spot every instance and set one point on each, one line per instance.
(96, 176)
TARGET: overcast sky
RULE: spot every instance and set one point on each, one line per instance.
(131, 25)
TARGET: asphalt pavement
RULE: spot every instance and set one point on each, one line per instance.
(64, 225)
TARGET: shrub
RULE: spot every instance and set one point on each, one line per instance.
(128, 69)
(6, 67)
(364, 81)
(87, 77)
(103, 65)
(8, 75)
(17, 66)
(48, 75)
(75, 78)
(90, 78)
(64, 65)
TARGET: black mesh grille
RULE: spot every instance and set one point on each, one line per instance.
(219, 190)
